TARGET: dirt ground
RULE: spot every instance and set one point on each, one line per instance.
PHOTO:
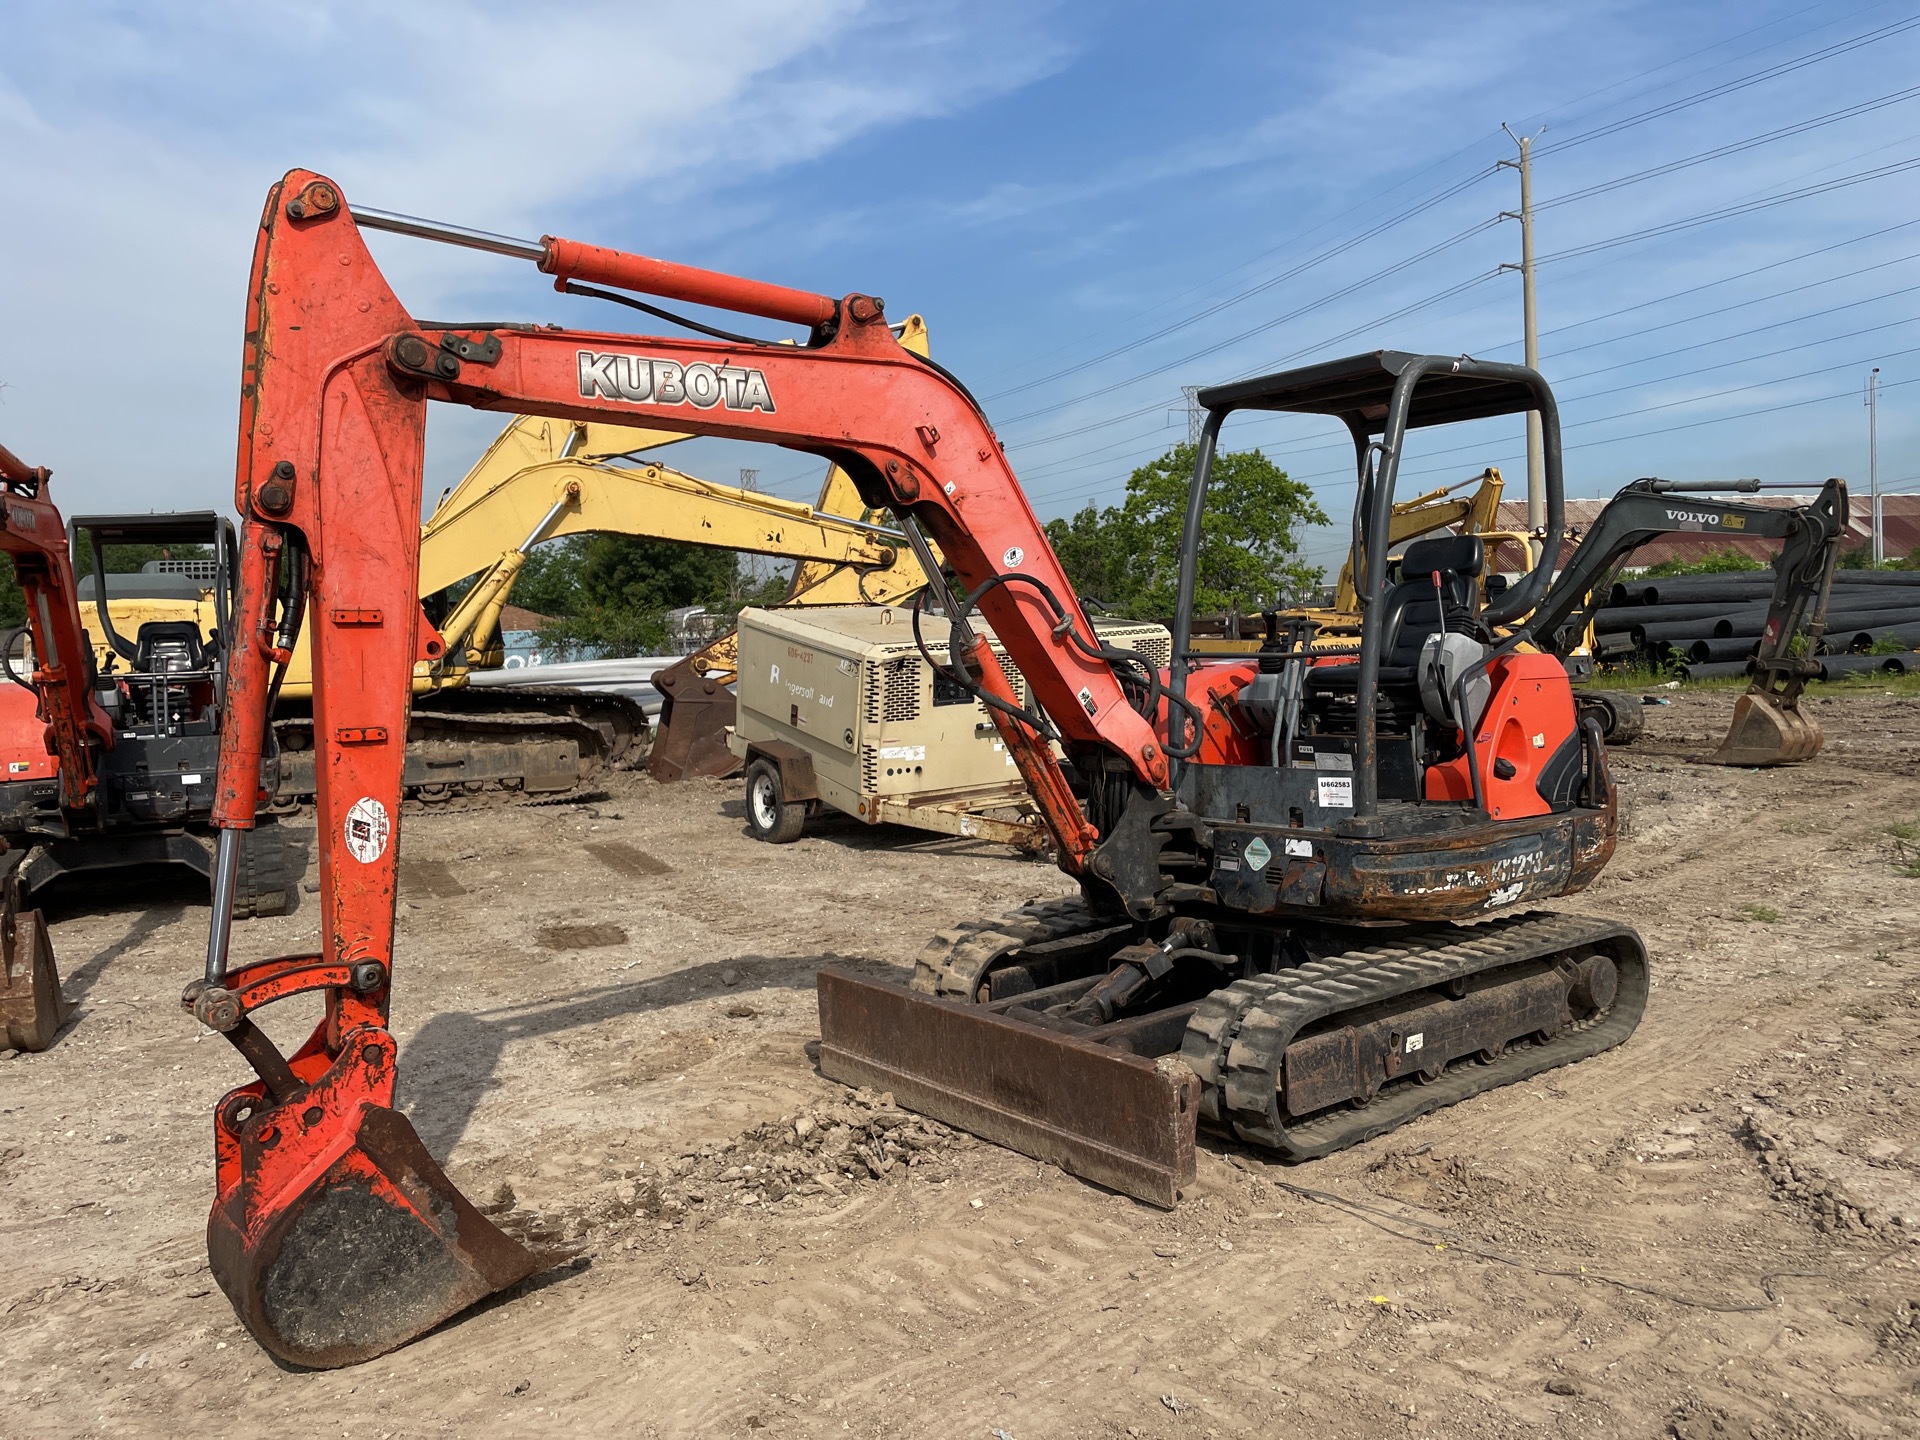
(1710, 1231)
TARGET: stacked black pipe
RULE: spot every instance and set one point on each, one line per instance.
(1710, 625)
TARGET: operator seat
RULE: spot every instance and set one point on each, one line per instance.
(168, 647)
(1412, 611)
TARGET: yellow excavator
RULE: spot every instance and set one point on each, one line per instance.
(697, 703)
(541, 480)
(1441, 509)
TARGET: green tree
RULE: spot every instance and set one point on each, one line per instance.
(637, 575)
(1093, 552)
(612, 593)
(127, 559)
(1128, 556)
(549, 582)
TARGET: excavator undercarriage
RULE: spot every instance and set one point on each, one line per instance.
(1349, 1034)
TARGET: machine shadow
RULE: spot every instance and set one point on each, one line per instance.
(449, 1063)
(76, 983)
(851, 834)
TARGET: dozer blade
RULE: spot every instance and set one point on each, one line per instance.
(1766, 732)
(357, 1256)
(1110, 1116)
(32, 1009)
(690, 740)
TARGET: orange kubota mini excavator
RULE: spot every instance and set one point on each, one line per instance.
(1273, 855)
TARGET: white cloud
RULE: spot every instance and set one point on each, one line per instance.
(136, 146)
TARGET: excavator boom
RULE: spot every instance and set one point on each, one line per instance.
(36, 539)
(1768, 727)
(32, 1008)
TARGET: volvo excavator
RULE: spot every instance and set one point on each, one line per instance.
(1768, 727)
(1306, 880)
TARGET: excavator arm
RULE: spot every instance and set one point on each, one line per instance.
(335, 386)
(1767, 727)
(843, 551)
(77, 728)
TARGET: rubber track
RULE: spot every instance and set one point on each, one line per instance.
(953, 961)
(1237, 1040)
(264, 884)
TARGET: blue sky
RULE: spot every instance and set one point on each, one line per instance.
(1093, 205)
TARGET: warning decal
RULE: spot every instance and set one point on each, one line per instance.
(367, 830)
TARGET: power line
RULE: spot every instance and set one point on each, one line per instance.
(1702, 399)
(1447, 192)
(1340, 294)
(1452, 290)
(1730, 212)
(1756, 330)
(1740, 83)
(1629, 237)
(1729, 40)
(1300, 269)
(1772, 72)
(1724, 280)
(1615, 415)
(1741, 35)
(1733, 148)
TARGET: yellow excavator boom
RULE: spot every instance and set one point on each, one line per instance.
(542, 479)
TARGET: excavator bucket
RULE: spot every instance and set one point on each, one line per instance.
(32, 1009)
(368, 1244)
(1767, 730)
(368, 1253)
(690, 740)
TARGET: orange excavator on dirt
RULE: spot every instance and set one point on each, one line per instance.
(109, 762)
(1275, 857)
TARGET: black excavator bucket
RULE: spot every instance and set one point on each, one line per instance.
(690, 740)
(1768, 730)
(334, 1233)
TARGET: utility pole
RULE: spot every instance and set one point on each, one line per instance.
(1873, 466)
(1536, 443)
